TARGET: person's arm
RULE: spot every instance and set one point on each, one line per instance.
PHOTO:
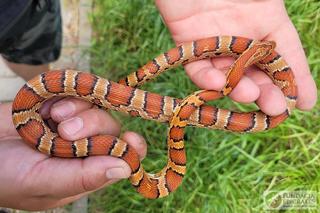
(26, 71)
(262, 20)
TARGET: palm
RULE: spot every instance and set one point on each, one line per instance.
(226, 17)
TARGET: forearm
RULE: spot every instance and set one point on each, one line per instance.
(27, 71)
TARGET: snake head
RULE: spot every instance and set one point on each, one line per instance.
(257, 52)
(261, 50)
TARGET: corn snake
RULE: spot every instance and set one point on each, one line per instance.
(124, 97)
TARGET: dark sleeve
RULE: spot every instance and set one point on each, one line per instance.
(12, 13)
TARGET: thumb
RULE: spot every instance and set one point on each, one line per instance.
(70, 177)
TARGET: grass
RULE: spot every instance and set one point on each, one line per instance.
(226, 172)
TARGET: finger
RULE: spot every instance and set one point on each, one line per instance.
(289, 46)
(46, 107)
(136, 141)
(88, 123)
(271, 100)
(71, 177)
(67, 108)
(246, 91)
(205, 76)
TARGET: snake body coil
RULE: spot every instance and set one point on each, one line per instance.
(124, 97)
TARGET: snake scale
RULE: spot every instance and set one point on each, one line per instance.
(125, 97)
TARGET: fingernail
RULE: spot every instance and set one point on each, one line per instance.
(64, 109)
(72, 125)
(116, 173)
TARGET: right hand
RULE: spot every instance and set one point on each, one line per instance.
(262, 20)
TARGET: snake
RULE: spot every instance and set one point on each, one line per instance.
(125, 97)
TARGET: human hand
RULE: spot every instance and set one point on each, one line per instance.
(31, 180)
(261, 20)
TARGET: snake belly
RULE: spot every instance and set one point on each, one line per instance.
(125, 97)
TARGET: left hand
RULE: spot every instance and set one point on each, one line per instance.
(30, 180)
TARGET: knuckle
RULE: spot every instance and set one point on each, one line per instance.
(88, 183)
(96, 117)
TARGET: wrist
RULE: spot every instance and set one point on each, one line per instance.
(7, 129)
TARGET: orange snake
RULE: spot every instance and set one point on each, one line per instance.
(124, 97)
